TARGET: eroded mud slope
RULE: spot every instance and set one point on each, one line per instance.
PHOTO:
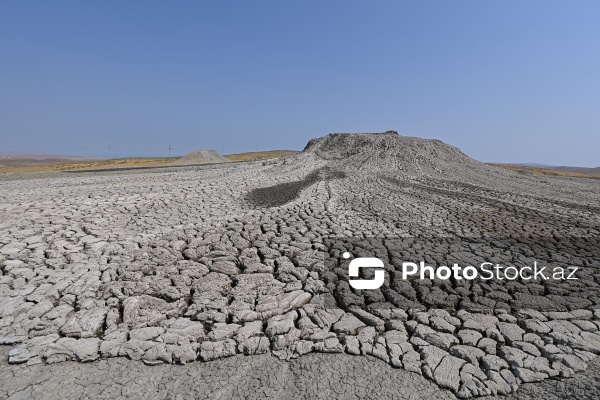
(195, 264)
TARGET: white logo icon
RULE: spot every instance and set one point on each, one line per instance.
(365, 262)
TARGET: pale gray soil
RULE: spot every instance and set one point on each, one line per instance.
(234, 271)
(314, 376)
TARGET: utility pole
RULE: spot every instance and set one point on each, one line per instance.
(221, 150)
(170, 147)
(108, 152)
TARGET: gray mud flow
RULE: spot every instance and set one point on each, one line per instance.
(283, 193)
(224, 279)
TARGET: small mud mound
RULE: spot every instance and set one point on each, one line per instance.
(201, 157)
(282, 193)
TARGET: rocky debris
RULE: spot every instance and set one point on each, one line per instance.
(174, 266)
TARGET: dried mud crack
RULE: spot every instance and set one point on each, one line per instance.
(131, 272)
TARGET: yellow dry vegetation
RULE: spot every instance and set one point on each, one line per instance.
(260, 155)
(545, 171)
(137, 162)
(97, 164)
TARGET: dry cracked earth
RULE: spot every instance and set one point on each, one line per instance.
(228, 281)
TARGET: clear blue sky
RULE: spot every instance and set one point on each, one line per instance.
(509, 81)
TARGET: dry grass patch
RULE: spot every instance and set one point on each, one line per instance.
(78, 165)
(545, 171)
(260, 155)
(136, 162)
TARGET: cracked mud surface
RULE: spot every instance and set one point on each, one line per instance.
(256, 377)
(130, 271)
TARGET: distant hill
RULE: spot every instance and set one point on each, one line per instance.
(201, 157)
(580, 170)
(553, 171)
(38, 162)
(563, 168)
(15, 160)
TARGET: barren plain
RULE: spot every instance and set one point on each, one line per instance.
(227, 281)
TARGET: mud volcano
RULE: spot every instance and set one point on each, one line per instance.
(246, 260)
(201, 157)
